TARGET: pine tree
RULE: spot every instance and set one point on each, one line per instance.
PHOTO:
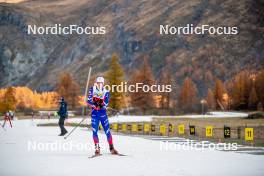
(253, 99)
(9, 100)
(115, 76)
(141, 99)
(218, 93)
(241, 89)
(68, 89)
(27, 99)
(166, 79)
(188, 95)
(259, 83)
(210, 99)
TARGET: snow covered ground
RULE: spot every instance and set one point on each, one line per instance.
(227, 114)
(115, 119)
(133, 118)
(216, 114)
(28, 150)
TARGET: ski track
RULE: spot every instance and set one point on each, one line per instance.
(144, 156)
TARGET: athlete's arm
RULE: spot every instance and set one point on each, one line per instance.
(90, 98)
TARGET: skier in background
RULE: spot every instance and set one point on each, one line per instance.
(7, 118)
(12, 115)
(98, 100)
(63, 115)
(49, 115)
(32, 115)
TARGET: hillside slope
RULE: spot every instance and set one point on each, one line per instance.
(132, 31)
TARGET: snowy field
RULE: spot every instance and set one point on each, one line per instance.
(115, 119)
(144, 156)
(216, 114)
(133, 118)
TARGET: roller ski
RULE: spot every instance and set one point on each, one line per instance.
(113, 151)
(97, 152)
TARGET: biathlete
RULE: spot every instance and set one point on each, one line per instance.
(98, 100)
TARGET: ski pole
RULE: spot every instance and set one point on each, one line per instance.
(86, 88)
(115, 110)
(74, 128)
(3, 127)
(85, 95)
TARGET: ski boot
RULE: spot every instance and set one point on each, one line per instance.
(97, 150)
(113, 150)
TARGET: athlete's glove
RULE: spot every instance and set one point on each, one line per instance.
(98, 103)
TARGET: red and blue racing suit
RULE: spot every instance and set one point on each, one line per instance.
(98, 100)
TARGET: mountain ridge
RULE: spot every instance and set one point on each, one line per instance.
(133, 32)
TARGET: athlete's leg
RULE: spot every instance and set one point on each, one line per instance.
(4, 123)
(10, 122)
(95, 125)
(105, 124)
